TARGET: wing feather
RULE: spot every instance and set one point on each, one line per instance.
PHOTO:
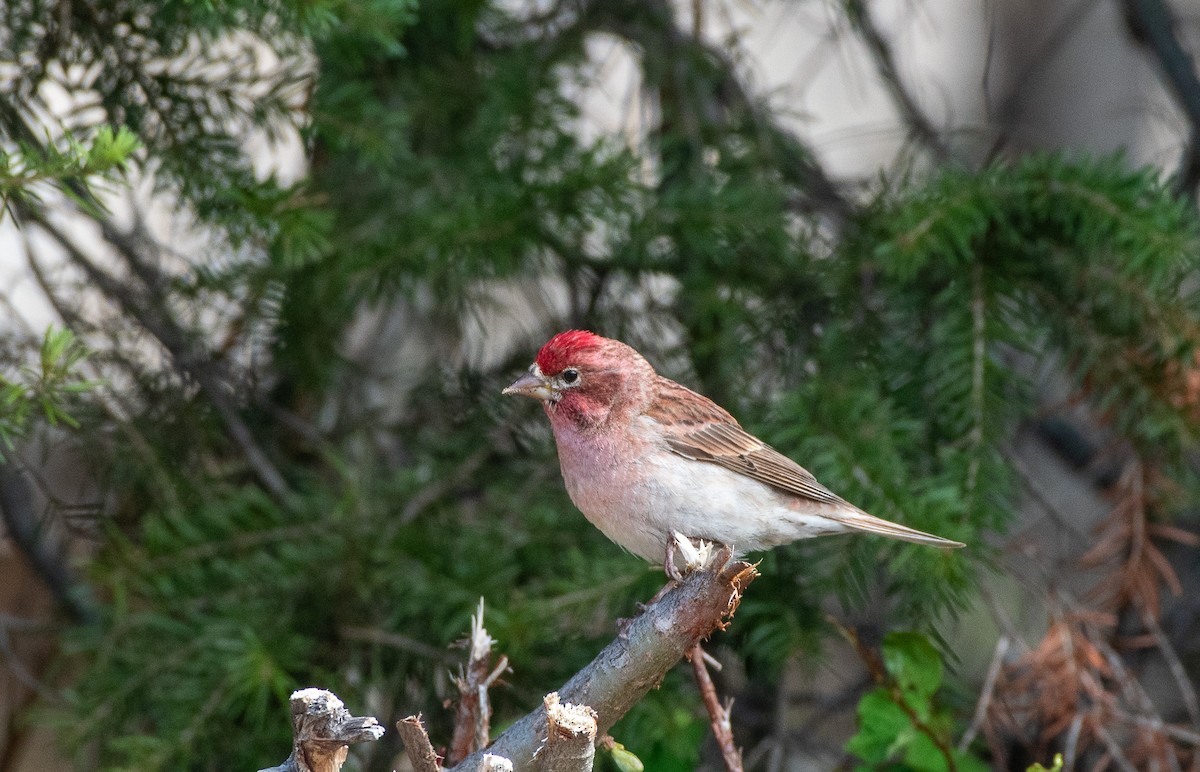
(701, 430)
(707, 432)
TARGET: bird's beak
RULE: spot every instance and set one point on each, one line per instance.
(531, 384)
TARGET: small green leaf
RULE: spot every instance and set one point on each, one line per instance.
(884, 730)
(111, 149)
(626, 760)
(1058, 765)
(913, 661)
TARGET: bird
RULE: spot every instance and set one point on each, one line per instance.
(650, 462)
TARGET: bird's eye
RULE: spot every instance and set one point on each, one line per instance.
(570, 375)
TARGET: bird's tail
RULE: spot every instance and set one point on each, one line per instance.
(857, 520)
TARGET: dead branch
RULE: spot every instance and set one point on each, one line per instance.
(637, 660)
(570, 737)
(417, 746)
(983, 704)
(189, 356)
(718, 713)
(473, 717)
(919, 124)
(45, 553)
(1154, 26)
(322, 731)
(705, 80)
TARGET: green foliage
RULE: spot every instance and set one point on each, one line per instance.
(1087, 260)
(44, 391)
(449, 186)
(666, 734)
(900, 724)
(624, 760)
(1056, 767)
(67, 164)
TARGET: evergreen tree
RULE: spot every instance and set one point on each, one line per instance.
(309, 475)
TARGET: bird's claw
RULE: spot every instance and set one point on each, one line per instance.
(672, 572)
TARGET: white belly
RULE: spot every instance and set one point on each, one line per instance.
(638, 498)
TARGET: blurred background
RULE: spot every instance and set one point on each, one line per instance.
(265, 268)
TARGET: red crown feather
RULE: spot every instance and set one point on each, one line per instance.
(564, 347)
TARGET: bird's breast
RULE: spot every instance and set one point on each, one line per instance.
(611, 479)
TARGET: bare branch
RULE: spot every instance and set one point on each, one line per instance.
(46, 555)
(473, 718)
(417, 746)
(638, 659)
(1153, 25)
(322, 731)
(985, 694)
(718, 713)
(914, 117)
(570, 737)
(705, 82)
(188, 357)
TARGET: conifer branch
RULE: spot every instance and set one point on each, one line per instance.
(919, 125)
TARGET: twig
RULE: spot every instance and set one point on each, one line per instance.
(985, 694)
(1007, 112)
(396, 641)
(188, 357)
(718, 714)
(1114, 749)
(46, 554)
(443, 485)
(1187, 689)
(979, 350)
(638, 659)
(1153, 25)
(715, 90)
(570, 737)
(322, 731)
(1071, 744)
(473, 717)
(880, 49)
(417, 746)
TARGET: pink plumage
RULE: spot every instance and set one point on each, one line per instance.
(645, 458)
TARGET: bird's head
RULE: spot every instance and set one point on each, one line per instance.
(582, 378)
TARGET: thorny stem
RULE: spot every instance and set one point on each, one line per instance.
(718, 714)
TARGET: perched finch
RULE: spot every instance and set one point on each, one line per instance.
(646, 459)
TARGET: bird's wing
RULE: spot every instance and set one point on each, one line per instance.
(699, 429)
